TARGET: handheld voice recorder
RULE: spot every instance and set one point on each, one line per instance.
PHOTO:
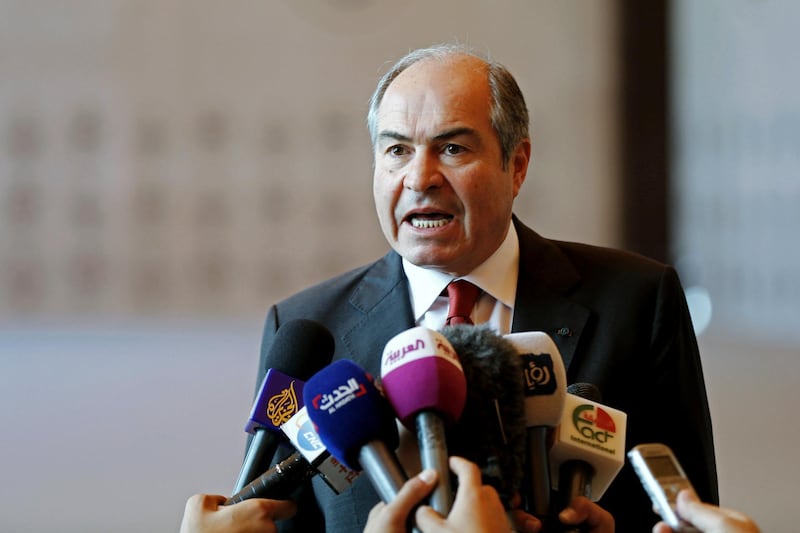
(662, 478)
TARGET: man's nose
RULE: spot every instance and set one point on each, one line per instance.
(423, 173)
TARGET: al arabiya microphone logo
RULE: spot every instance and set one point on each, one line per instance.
(595, 425)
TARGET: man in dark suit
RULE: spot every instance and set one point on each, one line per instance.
(451, 151)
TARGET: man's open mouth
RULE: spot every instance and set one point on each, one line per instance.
(429, 221)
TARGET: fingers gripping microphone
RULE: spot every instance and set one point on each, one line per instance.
(589, 445)
(423, 380)
(356, 424)
(545, 384)
(300, 348)
(491, 430)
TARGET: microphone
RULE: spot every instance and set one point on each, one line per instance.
(281, 479)
(545, 384)
(575, 475)
(299, 349)
(588, 446)
(276, 400)
(491, 429)
(423, 380)
(356, 424)
(310, 458)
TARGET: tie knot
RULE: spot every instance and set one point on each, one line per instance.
(462, 295)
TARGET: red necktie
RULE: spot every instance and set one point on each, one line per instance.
(462, 295)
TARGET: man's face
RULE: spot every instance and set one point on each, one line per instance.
(443, 198)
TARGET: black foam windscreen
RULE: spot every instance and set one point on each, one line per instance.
(492, 429)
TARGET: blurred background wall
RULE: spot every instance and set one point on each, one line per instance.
(169, 169)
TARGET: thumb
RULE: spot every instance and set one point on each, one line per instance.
(703, 516)
(693, 510)
(429, 520)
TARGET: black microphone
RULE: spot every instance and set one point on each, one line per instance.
(278, 482)
(491, 431)
(300, 348)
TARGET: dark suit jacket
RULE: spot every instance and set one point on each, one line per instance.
(619, 320)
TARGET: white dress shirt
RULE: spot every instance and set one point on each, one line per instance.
(497, 278)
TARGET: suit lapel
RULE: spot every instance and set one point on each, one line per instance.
(383, 305)
(545, 276)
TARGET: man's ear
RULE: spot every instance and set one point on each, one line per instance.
(519, 164)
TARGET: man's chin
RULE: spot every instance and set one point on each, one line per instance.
(428, 259)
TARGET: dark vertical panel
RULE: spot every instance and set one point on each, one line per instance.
(645, 127)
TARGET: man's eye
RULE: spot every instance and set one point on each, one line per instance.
(453, 149)
(396, 150)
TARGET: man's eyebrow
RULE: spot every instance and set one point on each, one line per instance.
(388, 134)
(455, 132)
(443, 136)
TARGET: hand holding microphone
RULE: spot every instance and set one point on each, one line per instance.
(489, 432)
(477, 507)
(422, 378)
(586, 516)
(204, 513)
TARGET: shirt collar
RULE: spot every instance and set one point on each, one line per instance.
(496, 276)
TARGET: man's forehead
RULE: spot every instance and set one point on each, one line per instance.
(427, 126)
(435, 99)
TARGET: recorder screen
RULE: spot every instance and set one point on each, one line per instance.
(662, 466)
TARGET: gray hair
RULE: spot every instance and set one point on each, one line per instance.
(508, 112)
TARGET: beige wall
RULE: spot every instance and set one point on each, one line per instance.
(204, 158)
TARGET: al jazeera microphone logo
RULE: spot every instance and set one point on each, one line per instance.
(283, 405)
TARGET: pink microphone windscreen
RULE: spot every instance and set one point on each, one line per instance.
(420, 371)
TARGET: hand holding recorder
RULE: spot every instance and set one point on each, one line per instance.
(674, 498)
(708, 518)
